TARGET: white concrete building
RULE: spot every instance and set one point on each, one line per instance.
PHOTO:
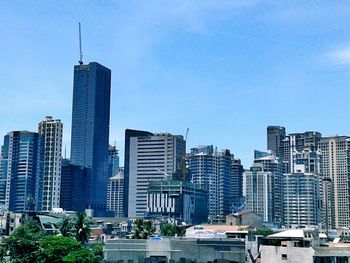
(294, 245)
(258, 191)
(115, 189)
(153, 157)
(335, 153)
(48, 186)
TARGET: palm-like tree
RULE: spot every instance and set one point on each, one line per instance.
(66, 227)
(138, 229)
(82, 229)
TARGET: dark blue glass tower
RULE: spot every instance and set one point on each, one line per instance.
(21, 165)
(90, 129)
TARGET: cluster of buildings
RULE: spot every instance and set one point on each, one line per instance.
(301, 180)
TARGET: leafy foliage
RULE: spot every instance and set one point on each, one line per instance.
(142, 229)
(97, 250)
(82, 255)
(263, 232)
(54, 248)
(172, 229)
(23, 244)
(82, 229)
(66, 227)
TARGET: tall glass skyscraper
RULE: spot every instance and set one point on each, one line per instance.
(90, 129)
(20, 166)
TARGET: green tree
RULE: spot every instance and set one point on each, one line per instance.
(137, 229)
(82, 255)
(82, 229)
(263, 232)
(2, 253)
(148, 229)
(97, 250)
(23, 243)
(168, 230)
(142, 229)
(172, 229)
(54, 248)
(66, 227)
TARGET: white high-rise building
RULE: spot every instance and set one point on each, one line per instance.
(115, 189)
(153, 157)
(335, 168)
(48, 186)
(302, 191)
(258, 191)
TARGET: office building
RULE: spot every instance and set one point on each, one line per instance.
(90, 129)
(275, 136)
(21, 164)
(150, 158)
(301, 199)
(212, 171)
(335, 169)
(177, 200)
(259, 192)
(129, 133)
(49, 184)
(73, 186)
(115, 194)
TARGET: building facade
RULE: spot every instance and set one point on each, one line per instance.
(271, 163)
(90, 129)
(113, 161)
(178, 200)
(49, 184)
(258, 192)
(21, 165)
(151, 158)
(297, 142)
(335, 168)
(212, 171)
(73, 186)
(129, 133)
(275, 136)
(115, 194)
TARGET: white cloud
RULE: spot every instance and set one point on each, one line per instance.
(340, 56)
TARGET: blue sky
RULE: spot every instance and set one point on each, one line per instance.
(224, 69)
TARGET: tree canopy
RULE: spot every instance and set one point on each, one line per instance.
(23, 244)
(54, 248)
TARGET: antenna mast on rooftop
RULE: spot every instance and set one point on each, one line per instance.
(81, 52)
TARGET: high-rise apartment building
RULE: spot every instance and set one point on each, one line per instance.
(49, 183)
(259, 192)
(271, 163)
(335, 168)
(21, 165)
(275, 136)
(302, 191)
(90, 129)
(151, 157)
(297, 142)
(212, 171)
(115, 194)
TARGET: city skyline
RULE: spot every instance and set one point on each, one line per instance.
(226, 68)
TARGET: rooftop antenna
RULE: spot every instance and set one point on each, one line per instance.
(81, 53)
